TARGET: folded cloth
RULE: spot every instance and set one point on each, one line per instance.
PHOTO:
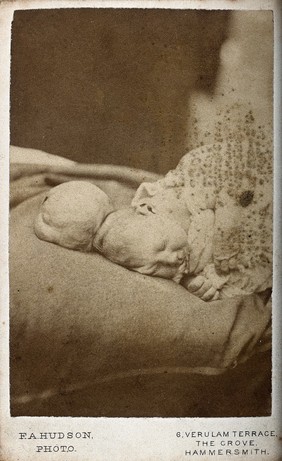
(31, 156)
(78, 318)
(27, 179)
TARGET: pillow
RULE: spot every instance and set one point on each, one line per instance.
(79, 319)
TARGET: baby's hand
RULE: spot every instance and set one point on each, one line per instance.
(202, 287)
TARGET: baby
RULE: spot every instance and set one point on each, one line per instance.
(205, 224)
(80, 216)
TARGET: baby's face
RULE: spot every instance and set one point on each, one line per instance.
(151, 245)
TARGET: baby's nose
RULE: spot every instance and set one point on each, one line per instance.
(181, 255)
(178, 257)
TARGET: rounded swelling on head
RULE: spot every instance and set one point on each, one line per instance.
(71, 214)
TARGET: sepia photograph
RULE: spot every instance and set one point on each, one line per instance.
(141, 178)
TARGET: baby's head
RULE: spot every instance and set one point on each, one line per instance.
(148, 244)
(71, 214)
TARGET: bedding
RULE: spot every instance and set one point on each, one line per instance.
(85, 331)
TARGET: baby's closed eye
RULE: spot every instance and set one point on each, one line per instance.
(161, 246)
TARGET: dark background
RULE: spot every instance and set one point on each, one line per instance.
(111, 85)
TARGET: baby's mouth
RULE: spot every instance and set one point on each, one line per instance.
(178, 277)
(182, 269)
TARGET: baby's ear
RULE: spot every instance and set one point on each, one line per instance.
(142, 201)
(145, 191)
(145, 208)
